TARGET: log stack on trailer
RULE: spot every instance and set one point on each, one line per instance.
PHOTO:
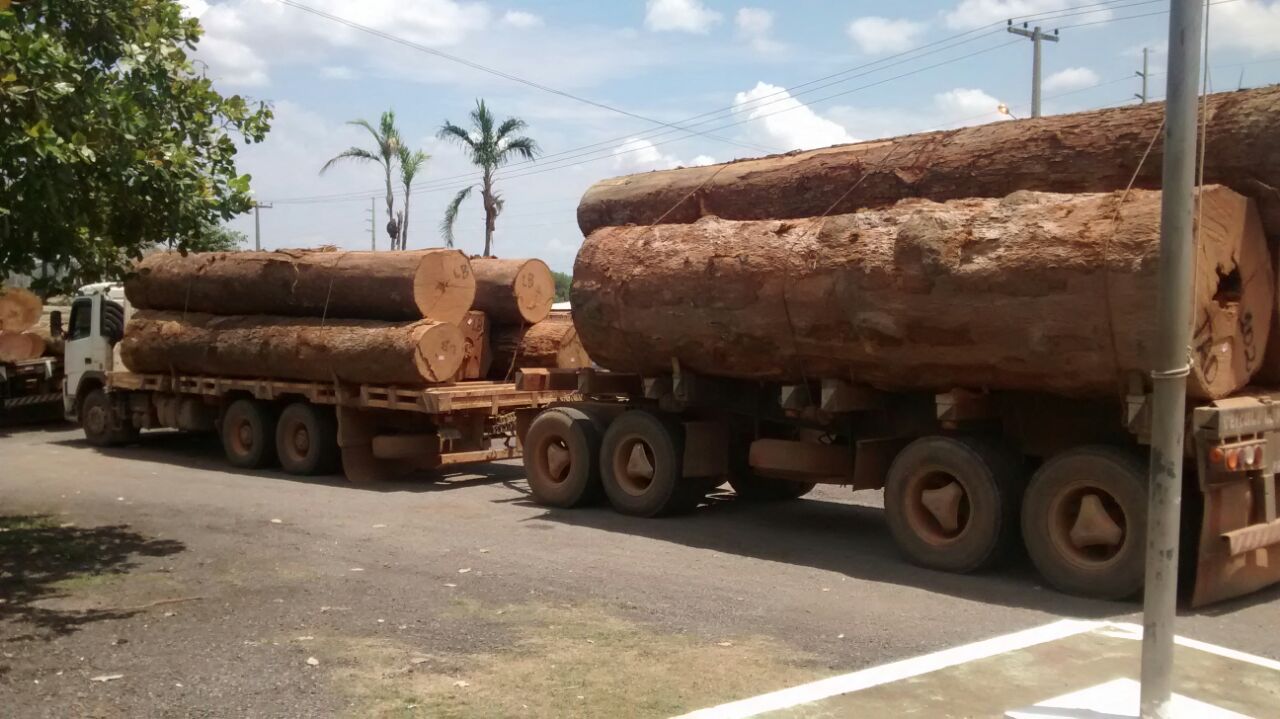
(374, 359)
(20, 311)
(962, 318)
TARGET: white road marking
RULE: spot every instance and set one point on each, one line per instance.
(1126, 630)
(896, 671)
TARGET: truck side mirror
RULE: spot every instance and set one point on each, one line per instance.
(55, 323)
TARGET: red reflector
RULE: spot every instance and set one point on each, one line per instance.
(1233, 459)
(1215, 455)
(1257, 456)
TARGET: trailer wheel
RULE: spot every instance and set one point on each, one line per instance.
(96, 420)
(307, 440)
(1084, 522)
(641, 466)
(562, 458)
(248, 434)
(952, 502)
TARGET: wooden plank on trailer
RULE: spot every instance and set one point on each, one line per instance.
(482, 455)
(533, 379)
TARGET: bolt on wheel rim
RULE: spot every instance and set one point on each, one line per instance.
(938, 509)
(634, 466)
(1087, 524)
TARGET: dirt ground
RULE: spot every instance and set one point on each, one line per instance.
(155, 581)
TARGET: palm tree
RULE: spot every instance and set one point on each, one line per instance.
(411, 162)
(488, 148)
(386, 138)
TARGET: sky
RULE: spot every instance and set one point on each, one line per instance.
(624, 86)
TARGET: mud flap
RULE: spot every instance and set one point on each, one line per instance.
(356, 430)
(1237, 554)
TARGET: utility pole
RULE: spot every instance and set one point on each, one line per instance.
(1145, 75)
(1171, 356)
(1036, 36)
(257, 223)
(373, 224)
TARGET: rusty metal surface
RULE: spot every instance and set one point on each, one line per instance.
(1237, 553)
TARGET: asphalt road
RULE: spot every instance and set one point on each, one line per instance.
(214, 592)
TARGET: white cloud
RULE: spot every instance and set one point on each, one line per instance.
(641, 155)
(232, 61)
(1250, 25)
(520, 18)
(755, 26)
(976, 13)
(878, 35)
(966, 106)
(1072, 78)
(785, 121)
(680, 15)
(193, 8)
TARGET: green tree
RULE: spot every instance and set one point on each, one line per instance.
(489, 146)
(110, 141)
(563, 282)
(411, 163)
(386, 152)
(218, 238)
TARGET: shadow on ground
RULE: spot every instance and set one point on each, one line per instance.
(37, 553)
(847, 539)
(203, 451)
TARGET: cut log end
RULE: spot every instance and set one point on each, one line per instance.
(19, 309)
(514, 291)
(20, 346)
(440, 351)
(444, 287)
(535, 290)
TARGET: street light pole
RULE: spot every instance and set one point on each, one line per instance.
(257, 224)
(1171, 357)
(1037, 36)
(1145, 75)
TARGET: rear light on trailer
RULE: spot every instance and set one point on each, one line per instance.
(1216, 455)
(1244, 456)
(1233, 459)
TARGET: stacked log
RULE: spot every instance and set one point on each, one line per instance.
(19, 309)
(20, 346)
(513, 291)
(551, 343)
(1036, 291)
(477, 355)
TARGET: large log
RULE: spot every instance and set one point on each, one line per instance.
(18, 346)
(513, 291)
(1086, 152)
(551, 343)
(431, 284)
(1035, 291)
(477, 355)
(296, 348)
(19, 309)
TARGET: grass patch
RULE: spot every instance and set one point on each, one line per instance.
(563, 661)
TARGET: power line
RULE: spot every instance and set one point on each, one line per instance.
(680, 126)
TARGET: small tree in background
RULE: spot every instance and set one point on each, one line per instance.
(411, 163)
(489, 146)
(386, 152)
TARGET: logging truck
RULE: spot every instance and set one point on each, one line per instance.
(367, 432)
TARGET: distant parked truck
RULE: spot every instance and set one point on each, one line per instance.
(367, 432)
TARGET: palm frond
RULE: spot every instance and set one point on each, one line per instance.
(411, 163)
(451, 215)
(453, 133)
(351, 153)
(498, 204)
(523, 146)
(510, 125)
(482, 119)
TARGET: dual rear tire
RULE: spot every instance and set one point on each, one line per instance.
(302, 438)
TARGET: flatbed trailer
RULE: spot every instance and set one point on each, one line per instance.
(30, 388)
(967, 476)
(367, 432)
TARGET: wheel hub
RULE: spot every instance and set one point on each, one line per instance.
(938, 507)
(634, 466)
(944, 504)
(558, 461)
(1093, 526)
(1088, 524)
(244, 435)
(301, 440)
(96, 420)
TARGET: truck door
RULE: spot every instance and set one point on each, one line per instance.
(96, 324)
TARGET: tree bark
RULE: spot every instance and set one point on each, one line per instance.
(551, 343)
(513, 291)
(1036, 291)
(477, 355)
(293, 348)
(19, 346)
(1086, 152)
(19, 309)
(431, 284)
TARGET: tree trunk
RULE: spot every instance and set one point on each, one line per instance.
(477, 355)
(513, 291)
(19, 346)
(432, 284)
(295, 348)
(1036, 291)
(487, 197)
(19, 309)
(551, 343)
(1086, 152)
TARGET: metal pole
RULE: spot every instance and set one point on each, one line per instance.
(373, 224)
(257, 227)
(1037, 37)
(1144, 75)
(1169, 376)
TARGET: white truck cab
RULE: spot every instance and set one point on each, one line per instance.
(96, 325)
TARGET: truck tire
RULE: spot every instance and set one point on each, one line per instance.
(952, 502)
(249, 434)
(1084, 522)
(562, 458)
(307, 440)
(97, 421)
(641, 466)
